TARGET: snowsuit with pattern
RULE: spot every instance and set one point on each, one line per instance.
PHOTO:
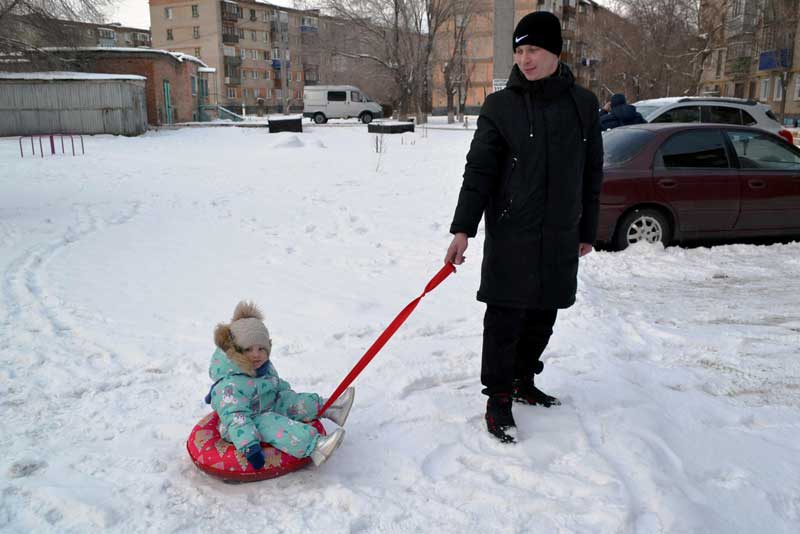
(262, 408)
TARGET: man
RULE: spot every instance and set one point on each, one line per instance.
(534, 170)
(620, 113)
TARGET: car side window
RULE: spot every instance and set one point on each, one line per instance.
(355, 96)
(756, 150)
(723, 115)
(337, 96)
(747, 119)
(693, 149)
(680, 114)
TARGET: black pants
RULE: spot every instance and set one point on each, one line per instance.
(513, 342)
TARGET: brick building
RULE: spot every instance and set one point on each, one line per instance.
(487, 54)
(176, 86)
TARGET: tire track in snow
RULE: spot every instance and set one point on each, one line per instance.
(27, 299)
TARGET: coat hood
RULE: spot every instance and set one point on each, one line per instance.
(224, 337)
(548, 88)
(625, 113)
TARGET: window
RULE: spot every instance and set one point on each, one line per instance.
(195, 11)
(228, 51)
(168, 13)
(231, 92)
(169, 35)
(764, 94)
(194, 85)
(763, 151)
(337, 96)
(197, 52)
(778, 89)
(240, 33)
(719, 63)
(254, 74)
(254, 54)
(265, 54)
(266, 75)
(253, 14)
(693, 149)
(797, 86)
(276, 53)
(196, 32)
(268, 93)
(253, 36)
(257, 92)
(723, 115)
(243, 53)
(107, 34)
(680, 114)
(355, 96)
(289, 76)
(747, 119)
(623, 144)
(245, 92)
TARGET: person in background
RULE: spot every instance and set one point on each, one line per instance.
(620, 113)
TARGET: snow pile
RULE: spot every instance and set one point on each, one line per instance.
(678, 368)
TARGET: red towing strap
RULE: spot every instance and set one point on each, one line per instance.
(443, 273)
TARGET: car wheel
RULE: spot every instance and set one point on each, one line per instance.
(366, 117)
(319, 118)
(642, 225)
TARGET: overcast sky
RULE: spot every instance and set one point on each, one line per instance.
(136, 13)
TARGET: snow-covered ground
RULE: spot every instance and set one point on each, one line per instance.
(678, 368)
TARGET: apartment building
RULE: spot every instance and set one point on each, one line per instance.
(754, 50)
(487, 53)
(264, 54)
(84, 34)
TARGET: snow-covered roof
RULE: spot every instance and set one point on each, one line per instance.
(180, 56)
(67, 76)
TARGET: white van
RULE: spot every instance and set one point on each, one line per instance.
(323, 102)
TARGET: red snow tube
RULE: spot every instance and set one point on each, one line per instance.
(220, 459)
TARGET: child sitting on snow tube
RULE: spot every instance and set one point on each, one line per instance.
(254, 404)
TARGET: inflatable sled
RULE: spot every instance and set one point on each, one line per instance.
(220, 459)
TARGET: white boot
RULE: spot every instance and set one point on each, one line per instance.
(340, 409)
(326, 445)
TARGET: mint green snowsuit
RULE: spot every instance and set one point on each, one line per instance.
(262, 408)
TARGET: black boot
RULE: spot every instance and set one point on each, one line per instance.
(524, 392)
(499, 420)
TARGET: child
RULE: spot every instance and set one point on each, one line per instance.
(255, 405)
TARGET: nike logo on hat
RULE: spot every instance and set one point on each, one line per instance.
(518, 39)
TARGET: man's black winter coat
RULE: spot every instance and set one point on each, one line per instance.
(534, 170)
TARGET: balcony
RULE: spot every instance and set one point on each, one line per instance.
(279, 27)
(230, 11)
(233, 61)
(276, 64)
(233, 80)
(309, 29)
(774, 59)
(230, 38)
(737, 67)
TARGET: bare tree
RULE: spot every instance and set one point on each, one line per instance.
(452, 43)
(400, 35)
(657, 43)
(26, 25)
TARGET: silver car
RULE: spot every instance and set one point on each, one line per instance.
(713, 110)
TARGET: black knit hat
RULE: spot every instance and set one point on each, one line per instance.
(542, 29)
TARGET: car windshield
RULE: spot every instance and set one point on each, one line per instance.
(620, 145)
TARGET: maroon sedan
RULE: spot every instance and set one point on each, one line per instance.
(674, 182)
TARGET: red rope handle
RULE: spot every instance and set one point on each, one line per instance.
(437, 279)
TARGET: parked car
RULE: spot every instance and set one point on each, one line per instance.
(675, 182)
(323, 102)
(713, 109)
